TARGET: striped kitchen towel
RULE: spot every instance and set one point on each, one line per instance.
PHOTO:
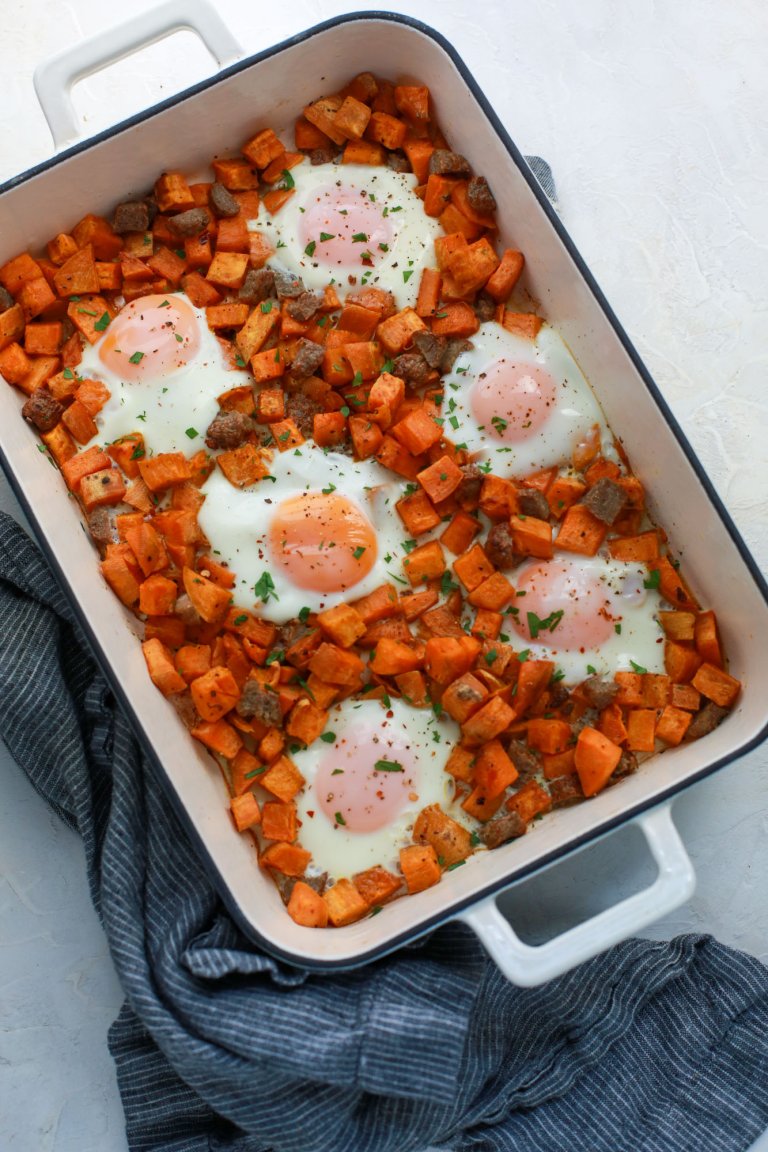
(653, 1047)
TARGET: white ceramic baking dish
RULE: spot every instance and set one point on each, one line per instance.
(185, 132)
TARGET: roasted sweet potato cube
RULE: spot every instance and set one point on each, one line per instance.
(377, 885)
(243, 466)
(463, 696)
(473, 568)
(283, 779)
(420, 867)
(494, 770)
(289, 859)
(447, 657)
(337, 665)
(673, 724)
(717, 685)
(146, 545)
(530, 800)
(351, 119)
(488, 722)
(215, 693)
(533, 537)
(343, 625)
(306, 720)
(173, 193)
(245, 811)
(307, 907)
(344, 903)
(450, 840)
(263, 148)
(427, 562)
(210, 601)
(102, 488)
(160, 667)
(278, 821)
(228, 270)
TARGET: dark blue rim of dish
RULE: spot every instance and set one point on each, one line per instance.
(604, 826)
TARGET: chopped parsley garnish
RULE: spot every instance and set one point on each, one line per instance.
(287, 183)
(266, 306)
(344, 411)
(179, 339)
(68, 374)
(239, 619)
(388, 365)
(326, 492)
(653, 580)
(328, 738)
(638, 668)
(357, 553)
(446, 584)
(499, 424)
(591, 669)
(456, 864)
(327, 235)
(192, 433)
(384, 247)
(255, 772)
(275, 657)
(388, 766)
(408, 545)
(304, 614)
(138, 453)
(265, 587)
(617, 629)
(310, 248)
(407, 275)
(359, 237)
(87, 312)
(491, 656)
(141, 416)
(474, 840)
(337, 772)
(454, 422)
(548, 624)
(339, 818)
(239, 361)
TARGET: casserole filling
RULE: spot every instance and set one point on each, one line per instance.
(394, 569)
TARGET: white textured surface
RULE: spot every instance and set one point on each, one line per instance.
(653, 118)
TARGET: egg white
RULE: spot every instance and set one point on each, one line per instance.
(411, 736)
(171, 409)
(569, 419)
(236, 521)
(636, 637)
(387, 197)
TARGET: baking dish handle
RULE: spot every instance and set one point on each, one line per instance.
(53, 79)
(528, 966)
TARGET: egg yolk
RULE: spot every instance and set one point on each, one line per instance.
(349, 785)
(564, 607)
(512, 401)
(343, 227)
(323, 541)
(152, 336)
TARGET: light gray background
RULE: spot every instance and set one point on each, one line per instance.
(652, 115)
